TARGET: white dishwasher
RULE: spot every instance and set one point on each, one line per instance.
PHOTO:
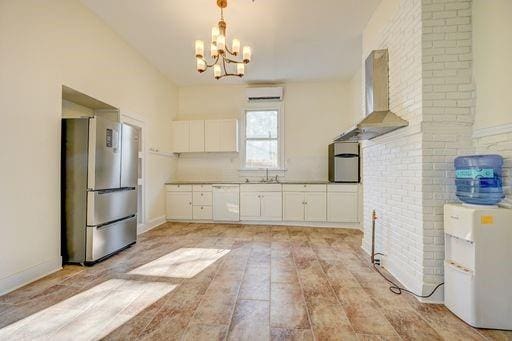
(226, 202)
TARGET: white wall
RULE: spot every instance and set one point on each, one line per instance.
(315, 113)
(45, 44)
(492, 50)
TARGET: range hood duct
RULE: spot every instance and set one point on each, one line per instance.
(379, 120)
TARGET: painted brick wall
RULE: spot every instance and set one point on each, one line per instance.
(408, 175)
(392, 164)
(448, 115)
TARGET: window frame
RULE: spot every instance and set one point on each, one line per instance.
(264, 106)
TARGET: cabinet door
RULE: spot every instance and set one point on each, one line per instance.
(211, 136)
(342, 207)
(179, 205)
(196, 139)
(180, 136)
(271, 205)
(250, 205)
(316, 206)
(293, 206)
(228, 137)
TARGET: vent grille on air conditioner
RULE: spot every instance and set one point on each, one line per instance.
(264, 94)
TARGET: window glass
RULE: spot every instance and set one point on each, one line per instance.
(261, 124)
(261, 139)
(261, 154)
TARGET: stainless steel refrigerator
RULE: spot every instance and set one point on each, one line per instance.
(344, 163)
(99, 181)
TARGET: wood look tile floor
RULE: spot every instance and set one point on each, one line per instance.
(228, 282)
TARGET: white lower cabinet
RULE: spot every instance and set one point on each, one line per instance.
(186, 202)
(316, 206)
(271, 206)
(293, 206)
(250, 205)
(179, 205)
(304, 206)
(333, 203)
(261, 202)
(202, 213)
(342, 203)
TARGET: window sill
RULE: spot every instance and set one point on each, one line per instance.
(262, 169)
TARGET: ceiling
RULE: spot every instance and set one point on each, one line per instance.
(292, 40)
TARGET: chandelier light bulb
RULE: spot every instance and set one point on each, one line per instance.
(247, 54)
(199, 49)
(240, 69)
(201, 65)
(235, 46)
(217, 71)
(221, 43)
(215, 34)
(213, 50)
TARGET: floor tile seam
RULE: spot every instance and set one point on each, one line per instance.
(237, 300)
(339, 302)
(201, 300)
(193, 315)
(303, 297)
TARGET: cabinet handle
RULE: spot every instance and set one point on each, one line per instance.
(190, 203)
(201, 207)
(202, 194)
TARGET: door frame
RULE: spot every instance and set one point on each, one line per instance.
(139, 122)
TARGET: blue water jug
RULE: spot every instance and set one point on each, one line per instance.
(478, 179)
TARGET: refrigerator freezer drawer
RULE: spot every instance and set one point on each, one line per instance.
(106, 239)
(105, 206)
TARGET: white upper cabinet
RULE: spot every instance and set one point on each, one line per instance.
(196, 138)
(211, 136)
(221, 135)
(181, 136)
(228, 140)
(205, 136)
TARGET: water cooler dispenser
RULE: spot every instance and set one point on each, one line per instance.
(478, 264)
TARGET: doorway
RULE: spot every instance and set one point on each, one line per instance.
(138, 123)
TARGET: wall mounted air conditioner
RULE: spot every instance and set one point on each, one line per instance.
(273, 94)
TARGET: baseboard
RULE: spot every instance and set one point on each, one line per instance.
(151, 224)
(274, 223)
(33, 273)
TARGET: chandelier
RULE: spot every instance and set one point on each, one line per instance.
(224, 61)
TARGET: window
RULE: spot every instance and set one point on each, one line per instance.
(262, 139)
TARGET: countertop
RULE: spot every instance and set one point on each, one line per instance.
(281, 182)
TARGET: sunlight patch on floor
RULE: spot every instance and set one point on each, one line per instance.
(182, 263)
(91, 314)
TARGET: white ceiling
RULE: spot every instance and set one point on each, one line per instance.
(292, 40)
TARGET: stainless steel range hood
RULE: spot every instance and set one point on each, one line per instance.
(379, 120)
